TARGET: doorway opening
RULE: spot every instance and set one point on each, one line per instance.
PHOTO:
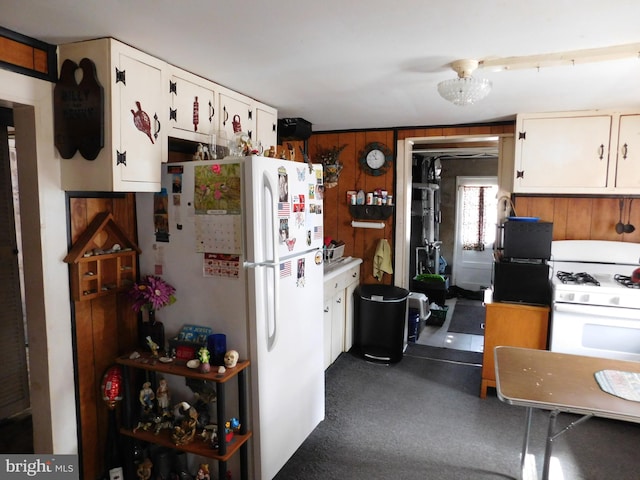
(457, 158)
(15, 407)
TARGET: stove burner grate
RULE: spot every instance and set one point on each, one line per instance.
(626, 281)
(581, 278)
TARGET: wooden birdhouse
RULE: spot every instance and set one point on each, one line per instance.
(103, 260)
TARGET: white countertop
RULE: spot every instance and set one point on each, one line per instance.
(334, 269)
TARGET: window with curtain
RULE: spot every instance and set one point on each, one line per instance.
(476, 221)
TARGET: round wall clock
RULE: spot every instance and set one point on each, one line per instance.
(375, 159)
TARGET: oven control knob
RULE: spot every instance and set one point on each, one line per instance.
(567, 297)
(584, 298)
(615, 301)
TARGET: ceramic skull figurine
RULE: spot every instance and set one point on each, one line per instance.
(231, 358)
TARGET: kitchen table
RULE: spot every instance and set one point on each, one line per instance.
(559, 382)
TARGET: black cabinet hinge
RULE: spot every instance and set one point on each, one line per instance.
(121, 76)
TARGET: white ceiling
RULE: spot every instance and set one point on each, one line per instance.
(365, 64)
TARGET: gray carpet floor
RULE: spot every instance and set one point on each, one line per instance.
(422, 418)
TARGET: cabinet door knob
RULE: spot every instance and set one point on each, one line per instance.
(601, 150)
(625, 150)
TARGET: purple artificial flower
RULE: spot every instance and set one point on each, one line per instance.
(152, 292)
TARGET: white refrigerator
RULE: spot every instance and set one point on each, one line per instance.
(241, 240)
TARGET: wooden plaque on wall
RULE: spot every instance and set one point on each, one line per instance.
(78, 111)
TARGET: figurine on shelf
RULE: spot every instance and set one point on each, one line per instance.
(185, 431)
(205, 357)
(153, 346)
(234, 425)
(144, 469)
(203, 472)
(146, 397)
(199, 155)
(163, 421)
(231, 358)
(163, 396)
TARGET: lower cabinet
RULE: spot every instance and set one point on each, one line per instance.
(514, 325)
(334, 323)
(338, 310)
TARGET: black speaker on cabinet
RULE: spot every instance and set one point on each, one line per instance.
(293, 129)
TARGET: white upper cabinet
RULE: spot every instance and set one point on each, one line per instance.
(562, 154)
(135, 142)
(192, 107)
(577, 153)
(145, 101)
(236, 111)
(628, 154)
(256, 119)
(266, 125)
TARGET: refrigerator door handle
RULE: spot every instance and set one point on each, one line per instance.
(272, 311)
(271, 235)
(271, 222)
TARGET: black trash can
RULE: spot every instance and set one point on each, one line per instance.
(380, 317)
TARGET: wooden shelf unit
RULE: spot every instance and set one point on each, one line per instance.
(225, 450)
(95, 274)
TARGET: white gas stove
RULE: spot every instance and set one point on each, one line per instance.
(596, 306)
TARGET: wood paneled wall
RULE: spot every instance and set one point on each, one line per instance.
(583, 218)
(458, 130)
(104, 328)
(359, 242)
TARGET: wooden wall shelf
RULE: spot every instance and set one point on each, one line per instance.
(371, 212)
(97, 268)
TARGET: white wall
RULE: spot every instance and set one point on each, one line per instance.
(43, 217)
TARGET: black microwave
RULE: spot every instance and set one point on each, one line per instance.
(527, 240)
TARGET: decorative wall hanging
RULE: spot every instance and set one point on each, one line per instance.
(78, 109)
(332, 166)
(142, 121)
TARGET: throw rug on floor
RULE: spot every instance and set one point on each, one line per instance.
(467, 319)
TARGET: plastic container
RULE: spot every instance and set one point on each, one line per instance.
(414, 325)
(380, 321)
(420, 303)
(438, 316)
(435, 287)
(333, 254)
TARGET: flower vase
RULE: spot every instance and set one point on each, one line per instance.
(148, 315)
(205, 367)
(149, 326)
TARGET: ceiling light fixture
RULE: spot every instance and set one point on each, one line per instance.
(464, 90)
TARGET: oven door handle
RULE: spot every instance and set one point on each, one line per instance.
(596, 311)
